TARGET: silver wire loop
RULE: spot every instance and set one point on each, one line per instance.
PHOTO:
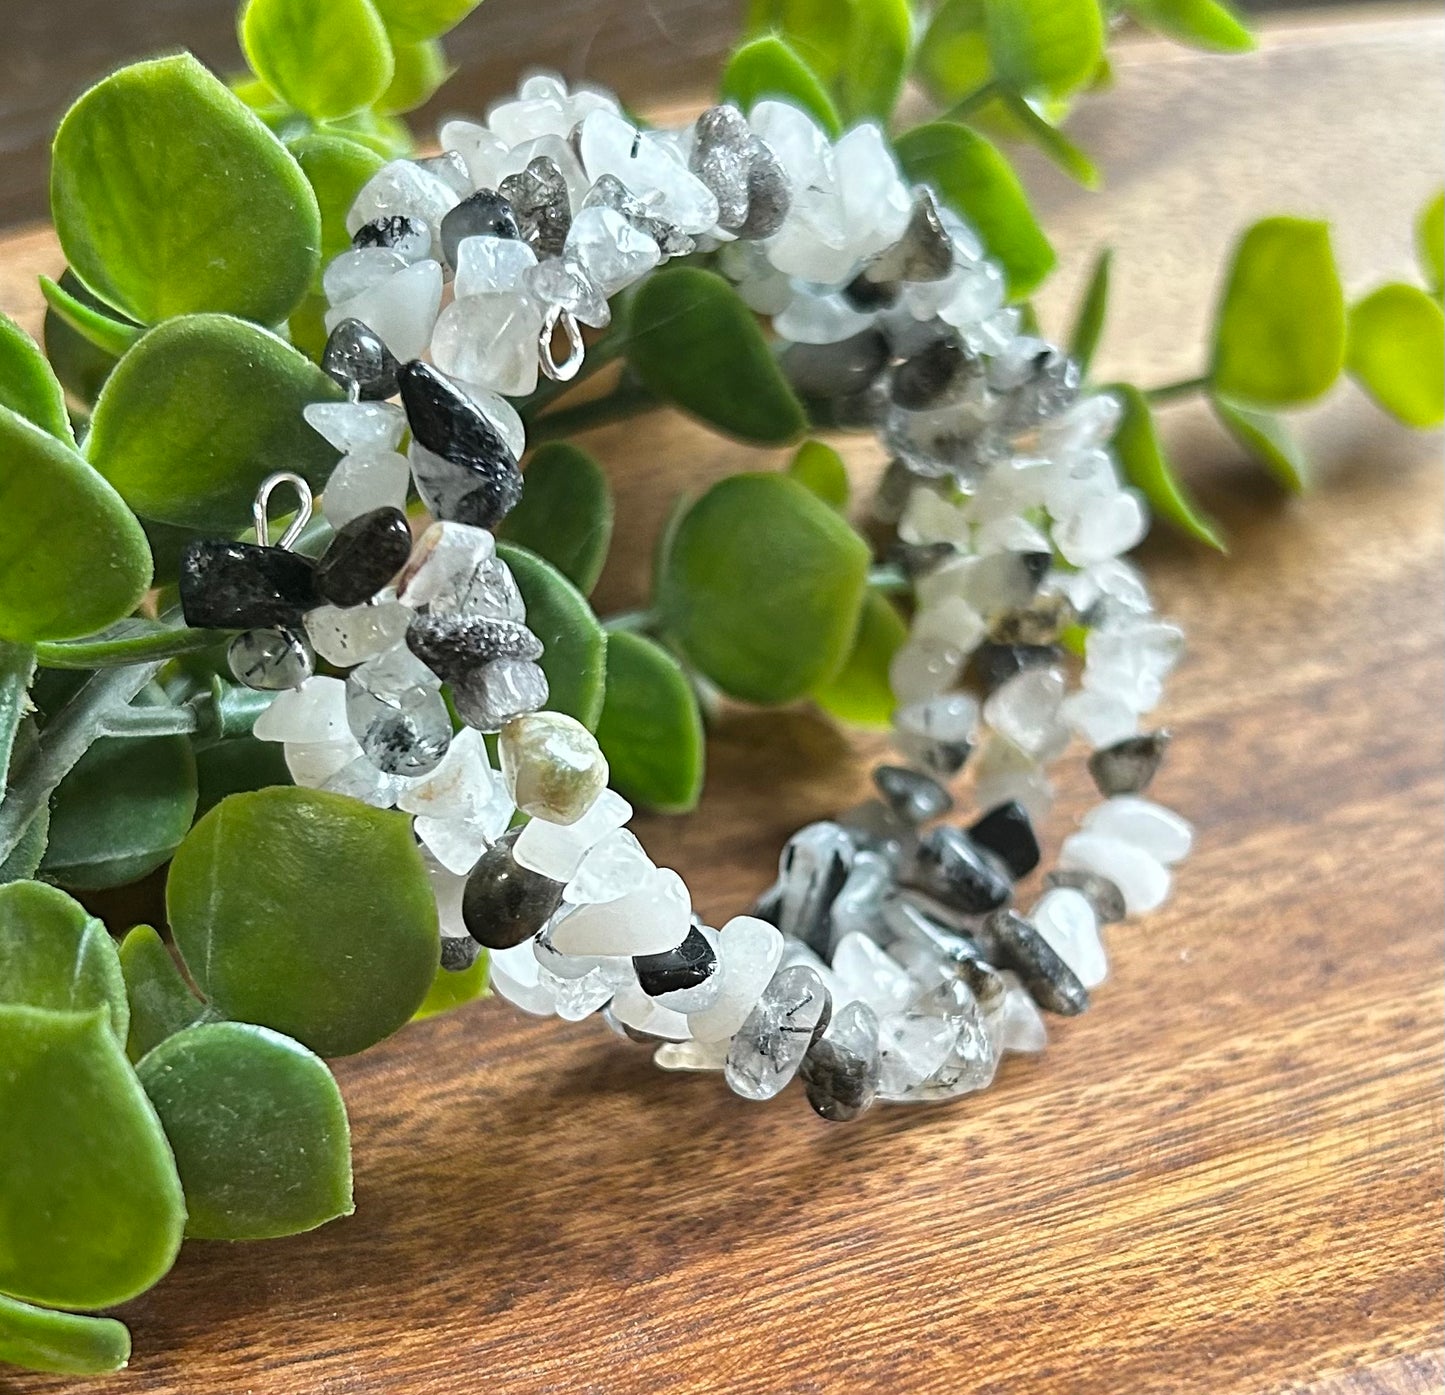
(568, 369)
(304, 503)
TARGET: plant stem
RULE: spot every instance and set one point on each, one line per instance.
(17, 666)
(113, 653)
(152, 721)
(1171, 392)
(979, 97)
(625, 401)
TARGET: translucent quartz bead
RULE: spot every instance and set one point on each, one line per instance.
(313, 763)
(1025, 711)
(315, 712)
(858, 908)
(869, 974)
(447, 887)
(812, 870)
(691, 1055)
(749, 950)
(770, 1045)
(1067, 921)
(502, 415)
(610, 250)
(487, 265)
(1143, 880)
(1016, 1022)
(930, 518)
(457, 843)
(515, 975)
(402, 187)
(1131, 662)
(269, 660)
(1103, 527)
(951, 622)
(937, 735)
(796, 952)
(1003, 773)
(557, 850)
(352, 273)
(614, 866)
(1091, 421)
(398, 717)
(1011, 535)
(1099, 718)
(402, 309)
(484, 153)
(633, 1008)
(366, 480)
(974, 293)
(841, 1069)
(819, 319)
(970, 1055)
(463, 785)
(348, 635)
(1158, 831)
(565, 284)
(651, 919)
(362, 780)
(649, 168)
(499, 692)
(490, 340)
(443, 563)
(357, 426)
(579, 998)
(912, 1045)
(552, 765)
(921, 669)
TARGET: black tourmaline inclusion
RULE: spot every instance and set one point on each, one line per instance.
(485, 213)
(1007, 833)
(1128, 766)
(356, 358)
(454, 647)
(363, 556)
(912, 795)
(244, 586)
(395, 231)
(1015, 944)
(949, 867)
(505, 903)
(687, 966)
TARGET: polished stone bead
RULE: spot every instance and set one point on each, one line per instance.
(1067, 921)
(357, 359)
(870, 296)
(498, 692)
(992, 665)
(271, 660)
(552, 766)
(1008, 833)
(1128, 766)
(1017, 945)
(722, 153)
(610, 192)
(401, 724)
(912, 795)
(948, 866)
(836, 370)
(749, 950)
(689, 965)
(813, 868)
(506, 903)
(459, 952)
(841, 1068)
(456, 647)
(1039, 623)
(652, 919)
(1106, 898)
(364, 556)
(937, 734)
(770, 194)
(538, 197)
(410, 238)
(934, 376)
(483, 214)
(242, 586)
(770, 1045)
(923, 253)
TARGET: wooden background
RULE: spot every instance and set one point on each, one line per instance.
(1226, 1179)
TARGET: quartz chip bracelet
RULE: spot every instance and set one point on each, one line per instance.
(889, 961)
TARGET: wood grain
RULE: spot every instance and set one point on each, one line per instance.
(1225, 1179)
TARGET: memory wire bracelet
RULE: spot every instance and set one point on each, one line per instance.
(888, 961)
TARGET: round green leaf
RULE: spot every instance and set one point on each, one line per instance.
(112, 336)
(336, 168)
(421, 69)
(566, 513)
(1430, 243)
(170, 196)
(27, 385)
(861, 691)
(1149, 470)
(651, 729)
(388, 136)
(410, 21)
(1203, 24)
(258, 1129)
(1268, 439)
(769, 69)
(73, 558)
(952, 57)
(818, 467)
(199, 413)
(328, 58)
(454, 988)
(161, 1002)
(762, 587)
(81, 367)
(976, 181)
(67, 1344)
(696, 344)
(55, 954)
(306, 912)
(236, 766)
(91, 1212)
(1049, 47)
(1279, 333)
(574, 654)
(1397, 353)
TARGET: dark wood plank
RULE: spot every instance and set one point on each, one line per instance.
(1225, 1179)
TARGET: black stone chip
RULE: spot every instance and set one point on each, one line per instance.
(505, 903)
(1129, 765)
(455, 647)
(363, 556)
(992, 665)
(1017, 945)
(485, 213)
(950, 868)
(356, 358)
(913, 796)
(687, 966)
(1008, 833)
(244, 586)
(389, 232)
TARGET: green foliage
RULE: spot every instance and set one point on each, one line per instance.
(1279, 335)
(95, 564)
(170, 196)
(199, 412)
(81, 367)
(91, 1212)
(306, 912)
(818, 467)
(336, 169)
(1052, 141)
(769, 68)
(1268, 439)
(651, 729)
(27, 386)
(235, 766)
(952, 58)
(761, 587)
(861, 692)
(1203, 24)
(977, 181)
(1430, 244)
(1149, 470)
(1089, 323)
(65, 1344)
(161, 1003)
(565, 515)
(421, 68)
(411, 21)
(257, 1127)
(1397, 353)
(327, 58)
(87, 318)
(453, 989)
(1048, 47)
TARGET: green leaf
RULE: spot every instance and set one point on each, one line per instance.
(651, 729)
(762, 587)
(306, 912)
(91, 1211)
(27, 386)
(695, 343)
(1397, 353)
(411, 21)
(952, 57)
(66, 1344)
(55, 954)
(170, 196)
(1052, 141)
(24, 859)
(453, 989)
(1268, 439)
(1051, 47)
(327, 58)
(1149, 470)
(258, 1129)
(94, 565)
(79, 365)
(123, 808)
(131, 641)
(388, 136)
(565, 515)
(161, 1002)
(92, 322)
(1203, 24)
(768, 69)
(1430, 243)
(420, 70)
(336, 168)
(575, 645)
(977, 182)
(861, 691)
(1089, 323)
(199, 413)
(236, 766)
(818, 467)
(1279, 334)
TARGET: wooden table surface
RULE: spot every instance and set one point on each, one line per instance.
(1225, 1179)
